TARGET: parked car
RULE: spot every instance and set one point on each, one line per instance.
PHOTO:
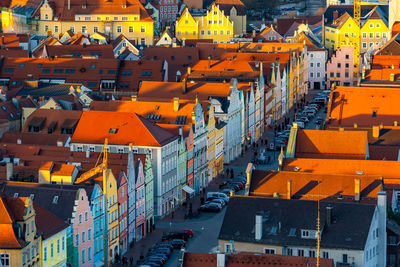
(241, 186)
(228, 191)
(216, 200)
(156, 259)
(155, 254)
(212, 207)
(176, 235)
(177, 243)
(279, 145)
(165, 244)
(189, 232)
(217, 194)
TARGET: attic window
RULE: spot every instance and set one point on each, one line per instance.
(374, 114)
(39, 65)
(3, 107)
(55, 200)
(292, 232)
(113, 130)
(273, 230)
(93, 66)
(15, 194)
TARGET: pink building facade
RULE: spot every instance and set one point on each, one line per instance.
(190, 156)
(140, 199)
(122, 187)
(339, 68)
(82, 231)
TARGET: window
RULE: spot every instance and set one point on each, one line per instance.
(72, 28)
(83, 256)
(63, 243)
(142, 41)
(378, 35)
(346, 34)
(332, 75)
(69, 71)
(89, 253)
(58, 246)
(371, 35)
(347, 65)
(58, 71)
(55, 28)
(338, 74)
(76, 239)
(318, 74)
(311, 253)
(80, 218)
(228, 247)
(202, 32)
(370, 44)
(46, 16)
(305, 233)
(311, 65)
(339, 65)
(364, 35)
(8, 70)
(115, 18)
(371, 25)
(83, 236)
(142, 29)
(83, 29)
(344, 258)
(119, 29)
(347, 56)
(89, 234)
(289, 252)
(269, 250)
(311, 74)
(45, 254)
(384, 34)
(52, 250)
(346, 74)
(318, 65)
(86, 216)
(28, 253)
(300, 252)
(374, 114)
(130, 28)
(228, 32)
(325, 254)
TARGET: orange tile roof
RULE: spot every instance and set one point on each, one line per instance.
(389, 170)
(8, 238)
(63, 169)
(95, 126)
(356, 105)
(313, 186)
(331, 144)
(222, 65)
(150, 110)
(168, 90)
(68, 51)
(5, 215)
(252, 260)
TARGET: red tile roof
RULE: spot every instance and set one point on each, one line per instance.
(314, 186)
(252, 260)
(331, 144)
(95, 126)
(47, 224)
(8, 238)
(68, 51)
(358, 105)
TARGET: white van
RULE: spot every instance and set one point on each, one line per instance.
(218, 195)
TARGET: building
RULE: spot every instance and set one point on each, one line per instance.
(149, 197)
(169, 10)
(148, 138)
(122, 187)
(244, 259)
(53, 230)
(75, 211)
(53, 17)
(236, 11)
(268, 34)
(215, 25)
(339, 68)
(20, 242)
(281, 226)
(140, 193)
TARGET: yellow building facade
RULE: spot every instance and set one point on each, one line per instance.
(211, 131)
(54, 250)
(136, 25)
(214, 25)
(17, 254)
(113, 222)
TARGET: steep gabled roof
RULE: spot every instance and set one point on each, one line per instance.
(47, 224)
(121, 128)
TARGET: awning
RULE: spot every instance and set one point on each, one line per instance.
(188, 189)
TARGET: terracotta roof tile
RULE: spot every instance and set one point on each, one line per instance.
(314, 186)
(95, 126)
(68, 51)
(47, 224)
(331, 144)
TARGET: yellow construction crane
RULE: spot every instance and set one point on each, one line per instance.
(89, 174)
(357, 42)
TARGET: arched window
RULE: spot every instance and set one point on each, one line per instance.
(46, 16)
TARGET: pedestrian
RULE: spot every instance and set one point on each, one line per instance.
(131, 260)
(232, 173)
(266, 142)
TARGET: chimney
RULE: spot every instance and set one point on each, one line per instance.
(9, 170)
(176, 104)
(392, 77)
(87, 153)
(375, 131)
(335, 15)
(329, 215)
(258, 227)
(184, 86)
(363, 73)
(220, 260)
(357, 189)
(209, 62)
(289, 189)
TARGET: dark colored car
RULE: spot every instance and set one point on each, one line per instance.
(189, 232)
(221, 201)
(177, 243)
(213, 207)
(176, 235)
(239, 184)
(156, 259)
(165, 244)
(158, 255)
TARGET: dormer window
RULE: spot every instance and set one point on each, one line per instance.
(46, 17)
(15, 194)
(374, 114)
(113, 130)
(55, 200)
